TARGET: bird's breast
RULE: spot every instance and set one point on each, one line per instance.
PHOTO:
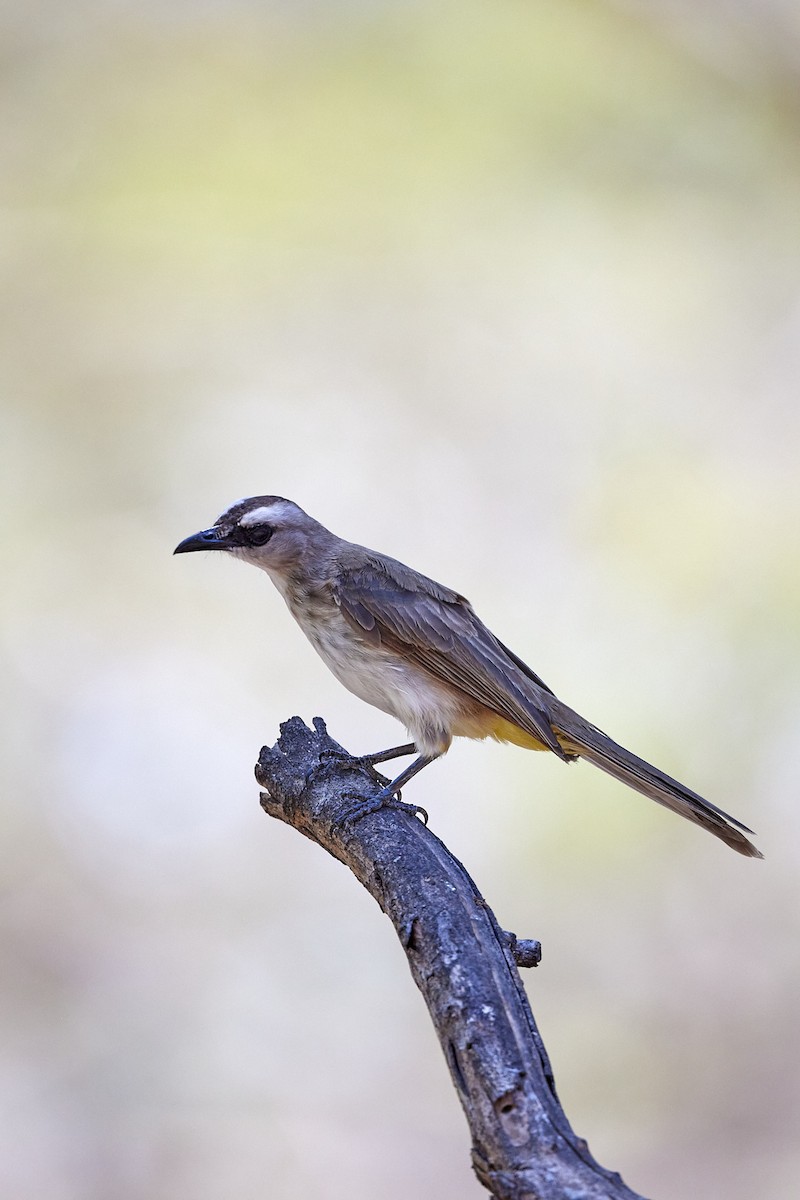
(428, 708)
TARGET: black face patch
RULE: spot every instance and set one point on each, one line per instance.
(256, 535)
(248, 535)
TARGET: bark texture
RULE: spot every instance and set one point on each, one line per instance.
(523, 1147)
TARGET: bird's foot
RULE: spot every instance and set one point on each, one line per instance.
(331, 758)
(361, 807)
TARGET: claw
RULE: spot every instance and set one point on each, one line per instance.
(323, 765)
(361, 808)
(330, 758)
(418, 810)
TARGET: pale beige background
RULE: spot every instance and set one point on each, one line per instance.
(511, 291)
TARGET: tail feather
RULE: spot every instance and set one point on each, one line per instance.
(578, 736)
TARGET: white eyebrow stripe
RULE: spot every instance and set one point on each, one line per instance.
(263, 515)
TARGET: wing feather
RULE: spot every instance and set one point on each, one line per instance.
(438, 630)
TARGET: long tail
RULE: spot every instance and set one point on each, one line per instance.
(578, 736)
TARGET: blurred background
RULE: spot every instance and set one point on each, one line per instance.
(512, 292)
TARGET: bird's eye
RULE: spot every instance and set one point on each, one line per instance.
(258, 535)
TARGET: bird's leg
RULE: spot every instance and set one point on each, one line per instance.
(370, 760)
(383, 756)
(331, 756)
(389, 796)
(393, 789)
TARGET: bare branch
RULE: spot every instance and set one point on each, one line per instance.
(463, 963)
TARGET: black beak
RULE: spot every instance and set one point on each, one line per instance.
(208, 539)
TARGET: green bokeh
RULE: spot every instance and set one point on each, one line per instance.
(511, 291)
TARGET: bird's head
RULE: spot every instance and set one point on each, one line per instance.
(267, 531)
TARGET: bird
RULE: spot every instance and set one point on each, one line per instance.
(417, 650)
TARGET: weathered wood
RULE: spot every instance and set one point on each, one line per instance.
(463, 963)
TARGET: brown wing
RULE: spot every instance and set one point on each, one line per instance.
(437, 629)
